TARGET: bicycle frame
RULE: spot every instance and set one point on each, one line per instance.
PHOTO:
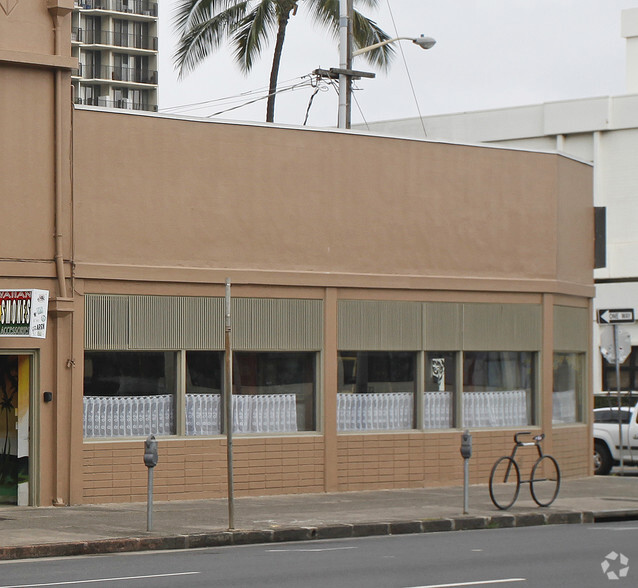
(512, 471)
(535, 443)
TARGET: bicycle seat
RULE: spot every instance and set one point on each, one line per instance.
(539, 438)
(518, 434)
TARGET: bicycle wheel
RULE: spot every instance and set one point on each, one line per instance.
(545, 482)
(505, 483)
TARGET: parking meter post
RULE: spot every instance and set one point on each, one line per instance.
(466, 453)
(150, 461)
(466, 486)
(149, 501)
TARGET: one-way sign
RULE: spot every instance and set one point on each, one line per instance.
(614, 316)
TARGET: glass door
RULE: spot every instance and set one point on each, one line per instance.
(15, 384)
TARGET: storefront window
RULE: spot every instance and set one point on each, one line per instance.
(129, 393)
(135, 393)
(569, 378)
(440, 388)
(204, 392)
(498, 388)
(376, 390)
(274, 391)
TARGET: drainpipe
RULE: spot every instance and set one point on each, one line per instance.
(58, 9)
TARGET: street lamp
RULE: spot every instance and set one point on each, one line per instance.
(422, 41)
(345, 71)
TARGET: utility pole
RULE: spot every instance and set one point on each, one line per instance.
(345, 63)
(344, 71)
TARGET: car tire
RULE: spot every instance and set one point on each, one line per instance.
(602, 459)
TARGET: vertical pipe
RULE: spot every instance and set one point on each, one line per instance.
(62, 476)
(228, 399)
(58, 98)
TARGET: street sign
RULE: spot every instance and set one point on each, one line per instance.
(615, 316)
(618, 349)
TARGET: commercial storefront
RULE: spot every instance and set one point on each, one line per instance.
(386, 294)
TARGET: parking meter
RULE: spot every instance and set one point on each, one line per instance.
(150, 452)
(466, 453)
(150, 461)
(466, 444)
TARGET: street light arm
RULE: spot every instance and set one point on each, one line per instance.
(422, 41)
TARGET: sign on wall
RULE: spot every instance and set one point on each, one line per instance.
(23, 313)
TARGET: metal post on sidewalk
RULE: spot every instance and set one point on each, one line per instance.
(466, 453)
(620, 441)
(228, 399)
(150, 461)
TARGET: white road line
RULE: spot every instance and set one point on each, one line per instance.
(597, 528)
(477, 583)
(122, 579)
(305, 550)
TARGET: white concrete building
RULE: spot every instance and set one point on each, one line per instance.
(602, 130)
(115, 42)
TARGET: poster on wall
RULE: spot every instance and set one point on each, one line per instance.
(23, 313)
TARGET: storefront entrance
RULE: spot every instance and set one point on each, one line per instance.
(15, 384)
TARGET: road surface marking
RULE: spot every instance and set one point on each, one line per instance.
(121, 579)
(305, 550)
(597, 528)
(477, 583)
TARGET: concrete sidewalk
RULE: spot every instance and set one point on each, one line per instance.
(42, 532)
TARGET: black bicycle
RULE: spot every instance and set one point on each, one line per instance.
(505, 478)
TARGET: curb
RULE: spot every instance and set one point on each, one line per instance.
(287, 534)
(613, 516)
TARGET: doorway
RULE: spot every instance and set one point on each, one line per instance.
(15, 386)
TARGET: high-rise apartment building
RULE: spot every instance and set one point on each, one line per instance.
(116, 44)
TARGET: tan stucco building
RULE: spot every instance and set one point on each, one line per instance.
(386, 294)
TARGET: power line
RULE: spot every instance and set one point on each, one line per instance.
(234, 98)
(405, 63)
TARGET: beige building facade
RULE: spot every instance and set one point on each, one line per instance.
(386, 295)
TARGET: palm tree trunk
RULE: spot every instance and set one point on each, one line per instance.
(274, 72)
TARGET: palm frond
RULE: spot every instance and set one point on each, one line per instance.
(188, 13)
(251, 34)
(205, 32)
(325, 13)
(366, 32)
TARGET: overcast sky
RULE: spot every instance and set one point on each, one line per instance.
(489, 54)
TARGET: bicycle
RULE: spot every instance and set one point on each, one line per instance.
(505, 477)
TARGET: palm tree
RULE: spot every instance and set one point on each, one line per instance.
(204, 24)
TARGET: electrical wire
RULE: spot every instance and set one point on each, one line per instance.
(312, 97)
(183, 108)
(265, 97)
(405, 63)
(235, 96)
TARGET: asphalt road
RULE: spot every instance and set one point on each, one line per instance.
(548, 556)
